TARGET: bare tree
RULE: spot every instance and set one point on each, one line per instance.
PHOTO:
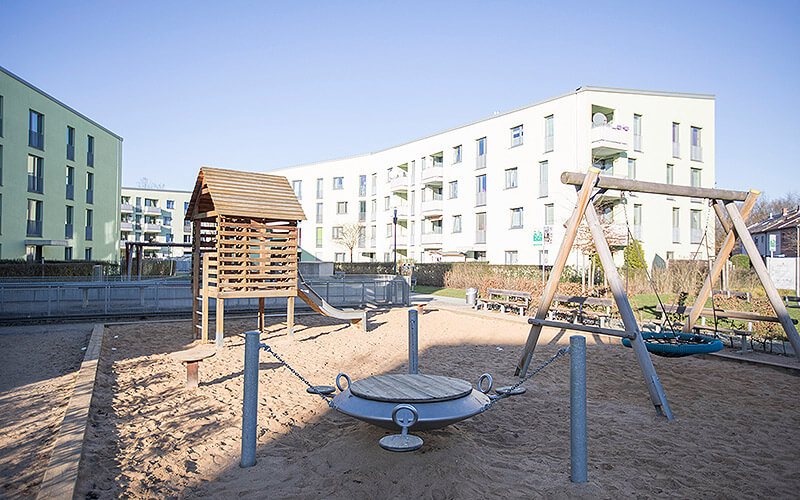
(349, 238)
(146, 183)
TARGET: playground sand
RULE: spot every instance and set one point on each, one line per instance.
(736, 432)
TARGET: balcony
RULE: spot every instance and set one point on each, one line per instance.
(34, 228)
(148, 210)
(433, 175)
(151, 228)
(68, 230)
(430, 207)
(607, 140)
(35, 184)
(399, 183)
(125, 208)
(431, 239)
(126, 227)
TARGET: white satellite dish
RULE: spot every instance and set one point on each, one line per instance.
(599, 119)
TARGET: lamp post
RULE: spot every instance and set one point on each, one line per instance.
(394, 221)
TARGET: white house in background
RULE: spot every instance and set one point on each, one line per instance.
(155, 215)
(481, 191)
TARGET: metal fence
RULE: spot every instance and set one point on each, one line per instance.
(54, 300)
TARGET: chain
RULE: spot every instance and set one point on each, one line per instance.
(561, 352)
(284, 363)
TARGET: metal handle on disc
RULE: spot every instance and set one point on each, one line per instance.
(338, 377)
(488, 377)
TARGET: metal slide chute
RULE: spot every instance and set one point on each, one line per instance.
(318, 304)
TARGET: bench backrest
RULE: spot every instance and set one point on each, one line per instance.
(590, 301)
(508, 293)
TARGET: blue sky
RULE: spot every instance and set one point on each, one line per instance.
(258, 85)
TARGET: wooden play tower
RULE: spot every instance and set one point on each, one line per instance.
(244, 243)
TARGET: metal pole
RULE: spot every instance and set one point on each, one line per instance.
(250, 400)
(413, 344)
(577, 409)
(394, 220)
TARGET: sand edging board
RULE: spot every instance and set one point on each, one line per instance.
(62, 470)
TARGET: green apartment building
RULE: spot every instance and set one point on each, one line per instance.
(60, 176)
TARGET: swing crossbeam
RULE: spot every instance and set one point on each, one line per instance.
(635, 186)
(582, 328)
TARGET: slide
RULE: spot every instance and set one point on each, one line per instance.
(317, 303)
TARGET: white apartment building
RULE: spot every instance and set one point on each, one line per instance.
(155, 215)
(482, 190)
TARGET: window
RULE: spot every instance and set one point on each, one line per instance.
(606, 214)
(297, 187)
(438, 159)
(480, 227)
(36, 130)
(89, 187)
(637, 132)
(89, 151)
(87, 254)
(388, 230)
(549, 214)
(1, 164)
(511, 257)
(339, 256)
(319, 237)
(166, 220)
(676, 225)
(480, 190)
(34, 218)
(373, 231)
(170, 238)
(373, 209)
(89, 224)
(413, 171)
(387, 256)
(453, 190)
(336, 232)
(341, 207)
(171, 204)
(456, 223)
(362, 185)
(413, 202)
(544, 179)
(1, 116)
(457, 154)
(70, 195)
(637, 222)
(696, 153)
(185, 206)
(481, 146)
(516, 218)
(670, 255)
(386, 202)
(362, 211)
(516, 136)
(67, 253)
(696, 174)
(670, 174)
(35, 174)
(187, 238)
(511, 178)
(70, 143)
(319, 213)
(320, 183)
(338, 183)
(631, 168)
(676, 145)
(695, 220)
(374, 188)
(548, 133)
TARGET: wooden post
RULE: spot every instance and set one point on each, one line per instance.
(219, 333)
(657, 395)
(261, 314)
(205, 311)
(128, 259)
(558, 267)
(196, 258)
(722, 258)
(290, 314)
(761, 270)
(139, 257)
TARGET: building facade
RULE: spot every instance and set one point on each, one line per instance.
(778, 235)
(59, 179)
(155, 215)
(490, 190)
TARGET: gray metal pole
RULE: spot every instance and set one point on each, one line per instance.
(413, 344)
(250, 400)
(577, 409)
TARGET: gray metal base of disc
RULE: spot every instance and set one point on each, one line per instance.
(320, 389)
(400, 442)
(506, 389)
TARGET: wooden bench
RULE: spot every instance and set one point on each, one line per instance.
(791, 301)
(731, 293)
(505, 299)
(192, 358)
(578, 314)
(720, 313)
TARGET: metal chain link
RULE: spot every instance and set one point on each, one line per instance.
(561, 352)
(284, 363)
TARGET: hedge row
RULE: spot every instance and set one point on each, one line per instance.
(21, 268)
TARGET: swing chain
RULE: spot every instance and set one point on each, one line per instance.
(561, 352)
(295, 372)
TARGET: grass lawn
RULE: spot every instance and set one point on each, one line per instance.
(458, 293)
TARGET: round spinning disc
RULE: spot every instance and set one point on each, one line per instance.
(410, 388)
(401, 442)
(507, 389)
(320, 389)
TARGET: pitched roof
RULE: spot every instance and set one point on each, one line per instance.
(244, 194)
(777, 222)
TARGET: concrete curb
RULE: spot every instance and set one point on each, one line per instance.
(62, 471)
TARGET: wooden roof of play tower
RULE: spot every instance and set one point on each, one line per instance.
(233, 193)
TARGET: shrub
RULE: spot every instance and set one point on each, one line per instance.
(741, 261)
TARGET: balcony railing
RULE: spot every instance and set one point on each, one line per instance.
(676, 149)
(126, 226)
(150, 210)
(696, 153)
(480, 162)
(548, 143)
(319, 218)
(151, 228)
(480, 236)
(34, 228)
(608, 140)
(398, 183)
(90, 159)
(35, 140)
(88, 234)
(676, 235)
(126, 208)
(435, 173)
(372, 242)
(637, 142)
(70, 191)
(71, 152)
(637, 232)
(431, 238)
(90, 196)
(480, 198)
(429, 206)
(35, 184)
(68, 229)
(696, 236)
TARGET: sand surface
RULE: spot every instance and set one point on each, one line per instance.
(37, 372)
(736, 432)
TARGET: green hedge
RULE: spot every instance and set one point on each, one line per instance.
(22, 268)
(741, 261)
